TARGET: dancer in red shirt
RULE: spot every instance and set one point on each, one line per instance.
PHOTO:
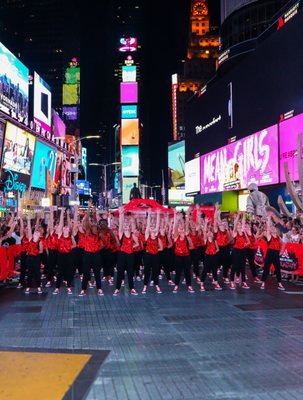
(224, 239)
(33, 259)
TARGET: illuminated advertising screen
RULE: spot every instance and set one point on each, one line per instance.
(72, 76)
(2, 130)
(13, 86)
(178, 197)
(18, 150)
(84, 160)
(129, 131)
(192, 176)
(129, 111)
(58, 126)
(253, 159)
(127, 184)
(128, 92)
(65, 175)
(289, 130)
(176, 165)
(71, 94)
(83, 187)
(129, 73)
(128, 44)
(42, 103)
(71, 113)
(45, 159)
(130, 160)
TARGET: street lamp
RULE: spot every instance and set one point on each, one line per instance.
(104, 166)
(151, 188)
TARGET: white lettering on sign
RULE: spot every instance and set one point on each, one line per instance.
(201, 128)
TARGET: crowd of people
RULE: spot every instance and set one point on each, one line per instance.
(99, 248)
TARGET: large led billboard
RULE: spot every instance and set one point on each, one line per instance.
(127, 184)
(129, 73)
(179, 198)
(44, 160)
(176, 165)
(128, 92)
(129, 111)
(128, 44)
(72, 75)
(42, 103)
(192, 176)
(58, 126)
(13, 86)
(71, 113)
(65, 175)
(253, 159)
(129, 132)
(18, 150)
(71, 94)
(83, 187)
(2, 131)
(289, 130)
(130, 161)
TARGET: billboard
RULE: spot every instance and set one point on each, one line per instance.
(71, 113)
(130, 160)
(253, 159)
(129, 131)
(65, 175)
(18, 150)
(72, 75)
(42, 103)
(128, 44)
(71, 94)
(44, 160)
(178, 198)
(176, 165)
(13, 86)
(229, 6)
(129, 111)
(192, 176)
(128, 92)
(289, 130)
(127, 184)
(129, 73)
(58, 126)
(83, 187)
(2, 131)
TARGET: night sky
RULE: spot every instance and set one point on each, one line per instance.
(164, 39)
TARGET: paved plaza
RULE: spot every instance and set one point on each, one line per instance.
(235, 345)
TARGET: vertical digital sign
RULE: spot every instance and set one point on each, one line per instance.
(128, 92)
(174, 104)
(129, 131)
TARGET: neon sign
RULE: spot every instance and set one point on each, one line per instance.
(12, 183)
(128, 44)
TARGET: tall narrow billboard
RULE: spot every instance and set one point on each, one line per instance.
(42, 103)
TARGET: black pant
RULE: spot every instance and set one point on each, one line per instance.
(125, 262)
(272, 257)
(210, 265)
(138, 260)
(91, 260)
(33, 265)
(195, 259)
(23, 267)
(52, 263)
(224, 259)
(78, 259)
(238, 264)
(182, 264)
(151, 266)
(65, 269)
(44, 261)
(106, 262)
(250, 256)
(165, 262)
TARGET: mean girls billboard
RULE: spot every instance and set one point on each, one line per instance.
(254, 159)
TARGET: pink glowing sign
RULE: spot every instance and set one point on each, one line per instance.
(128, 92)
(253, 159)
(289, 130)
(128, 44)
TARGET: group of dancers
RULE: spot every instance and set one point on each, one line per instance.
(186, 246)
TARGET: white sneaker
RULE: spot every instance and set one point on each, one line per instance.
(116, 292)
(100, 292)
(56, 291)
(39, 290)
(27, 290)
(69, 290)
(82, 293)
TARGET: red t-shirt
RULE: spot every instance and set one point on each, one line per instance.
(222, 238)
(181, 247)
(52, 241)
(240, 242)
(92, 243)
(164, 241)
(211, 248)
(81, 240)
(127, 244)
(275, 243)
(33, 248)
(152, 246)
(252, 242)
(195, 240)
(65, 244)
(24, 244)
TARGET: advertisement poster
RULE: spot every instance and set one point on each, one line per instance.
(129, 132)
(130, 160)
(289, 130)
(127, 184)
(13, 86)
(176, 165)
(253, 159)
(18, 150)
(129, 111)
(44, 160)
(128, 92)
(192, 176)
(72, 75)
(59, 128)
(71, 94)
(65, 175)
(42, 103)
